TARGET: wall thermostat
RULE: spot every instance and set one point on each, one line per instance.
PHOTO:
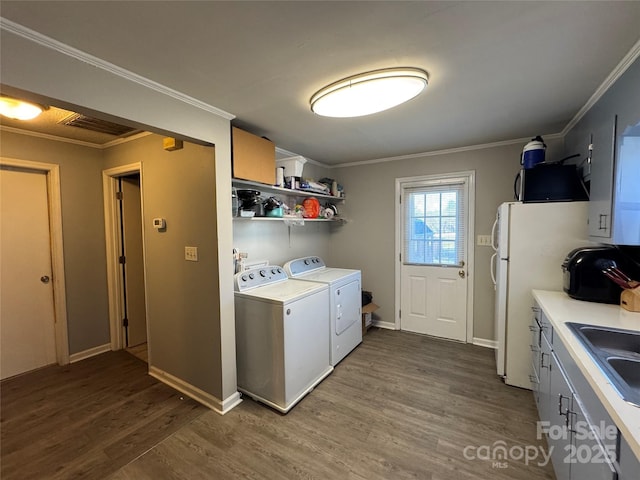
(159, 223)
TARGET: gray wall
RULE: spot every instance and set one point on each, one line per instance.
(367, 242)
(82, 232)
(38, 73)
(181, 296)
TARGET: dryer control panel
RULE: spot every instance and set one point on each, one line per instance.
(303, 265)
(258, 277)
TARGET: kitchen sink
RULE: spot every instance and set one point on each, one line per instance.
(629, 370)
(617, 353)
(613, 340)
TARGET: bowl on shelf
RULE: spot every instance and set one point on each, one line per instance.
(277, 212)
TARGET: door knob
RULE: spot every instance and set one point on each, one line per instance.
(462, 274)
(45, 279)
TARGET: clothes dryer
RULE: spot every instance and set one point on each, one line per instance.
(345, 301)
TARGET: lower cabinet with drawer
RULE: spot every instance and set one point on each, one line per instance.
(583, 440)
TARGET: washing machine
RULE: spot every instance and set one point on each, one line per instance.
(282, 339)
(345, 301)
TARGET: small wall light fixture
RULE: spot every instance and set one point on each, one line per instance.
(369, 92)
(19, 109)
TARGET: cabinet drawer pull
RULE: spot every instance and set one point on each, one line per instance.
(560, 398)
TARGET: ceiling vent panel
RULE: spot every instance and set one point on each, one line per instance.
(97, 125)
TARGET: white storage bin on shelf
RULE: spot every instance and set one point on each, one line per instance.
(292, 165)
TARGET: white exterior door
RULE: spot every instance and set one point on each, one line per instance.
(27, 319)
(434, 227)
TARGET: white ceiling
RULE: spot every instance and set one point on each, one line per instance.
(498, 70)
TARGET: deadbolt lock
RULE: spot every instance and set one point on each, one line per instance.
(462, 274)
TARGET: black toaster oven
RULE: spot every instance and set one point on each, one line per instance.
(583, 278)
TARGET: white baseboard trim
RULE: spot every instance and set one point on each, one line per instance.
(91, 352)
(380, 324)
(483, 342)
(208, 400)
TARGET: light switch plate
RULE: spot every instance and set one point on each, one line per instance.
(191, 254)
(484, 240)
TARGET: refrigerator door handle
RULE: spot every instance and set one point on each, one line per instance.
(492, 268)
(494, 242)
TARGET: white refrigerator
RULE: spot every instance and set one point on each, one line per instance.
(531, 241)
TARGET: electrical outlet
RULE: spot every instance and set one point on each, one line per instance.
(484, 240)
(191, 254)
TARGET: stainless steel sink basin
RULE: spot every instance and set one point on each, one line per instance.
(605, 339)
(629, 370)
(617, 353)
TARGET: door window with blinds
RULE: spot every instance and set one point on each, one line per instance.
(434, 217)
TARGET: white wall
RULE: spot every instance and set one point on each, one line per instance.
(276, 242)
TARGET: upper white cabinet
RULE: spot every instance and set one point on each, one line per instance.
(612, 128)
(626, 181)
(602, 169)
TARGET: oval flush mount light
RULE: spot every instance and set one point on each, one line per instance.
(369, 92)
(19, 109)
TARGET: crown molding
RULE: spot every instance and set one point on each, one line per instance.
(64, 49)
(447, 151)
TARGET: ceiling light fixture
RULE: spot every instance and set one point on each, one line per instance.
(19, 109)
(369, 92)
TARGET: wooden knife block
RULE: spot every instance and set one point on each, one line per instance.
(630, 299)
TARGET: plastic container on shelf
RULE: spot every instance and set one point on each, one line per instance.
(293, 166)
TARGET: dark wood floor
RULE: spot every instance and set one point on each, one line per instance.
(400, 406)
(86, 420)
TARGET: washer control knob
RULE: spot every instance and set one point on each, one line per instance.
(251, 276)
(306, 262)
(263, 273)
(243, 278)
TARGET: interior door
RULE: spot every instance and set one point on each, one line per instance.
(136, 313)
(27, 317)
(433, 271)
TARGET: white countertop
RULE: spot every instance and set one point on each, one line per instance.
(559, 309)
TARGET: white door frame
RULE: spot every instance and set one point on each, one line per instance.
(112, 237)
(470, 176)
(52, 172)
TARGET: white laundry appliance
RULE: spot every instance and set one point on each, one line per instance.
(282, 341)
(531, 242)
(345, 301)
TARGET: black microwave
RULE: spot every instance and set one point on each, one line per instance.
(552, 183)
